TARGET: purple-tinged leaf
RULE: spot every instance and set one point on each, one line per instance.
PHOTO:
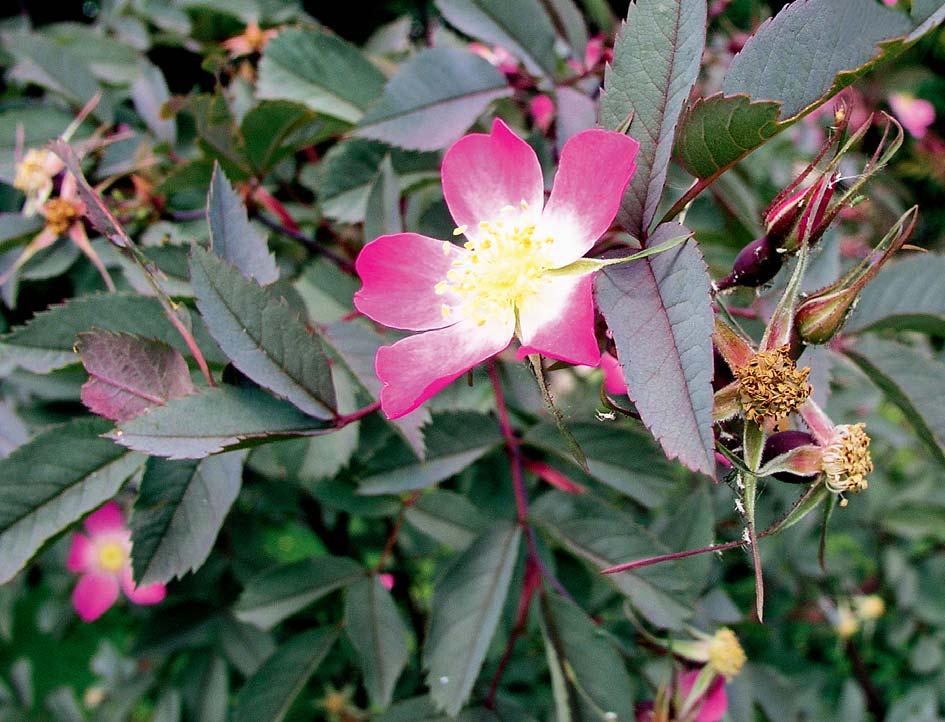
(656, 63)
(660, 314)
(129, 374)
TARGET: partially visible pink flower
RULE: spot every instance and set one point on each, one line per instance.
(505, 281)
(552, 476)
(614, 382)
(102, 558)
(714, 701)
(542, 110)
(498, 56)
(253, 39)
(387, 581)
(915, 114)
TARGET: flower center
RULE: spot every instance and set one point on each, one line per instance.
(60, 214)
(31, 173)
(726, 655)
(771, 386)
(847, 461)
(111, 556)
(502, 270)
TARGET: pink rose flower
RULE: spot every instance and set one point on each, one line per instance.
(915, 114)
(471, 300)
(542, 110)
(715, 700)
(614, 383)
(102, 558)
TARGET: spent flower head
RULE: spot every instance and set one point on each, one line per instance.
(770, 386)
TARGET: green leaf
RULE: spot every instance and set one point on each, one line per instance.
(448, 517)
(433, 99)
(179, 512)
(423, 709)
(213, 692)
(660, 313)
(262, 336)
(378, 634)
(595, 675)
(47, 341)
(274, 130)
(15, 227)
(904, 296)
(215, 420)
(718, 131)
(467, 602)
(281, 592)
(232, 237)
(604, 536)
(691, 525)
(453, 441)
(245, 646)
(656, 63)
(268, 695)
(912, 381)
(52, 481)
(523, 28)
(319, 70)
(382, 214)
(620, 456)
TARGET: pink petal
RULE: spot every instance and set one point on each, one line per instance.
(81, 554)
(915, 114)
(417, 367)
(484, 173)
(150, 594)
(614, 383)
(542, 110)
(387, 581)
(94, 595)
(595, 167)
(105, 519)
(714, 701)
(559, 321)
(399, 273)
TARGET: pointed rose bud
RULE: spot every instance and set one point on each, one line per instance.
(794, 450)
(756, 264)
(820, 317)
(810, 224)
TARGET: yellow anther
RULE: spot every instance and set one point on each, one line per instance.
(460, 230)
(445, 310)
(524, 204)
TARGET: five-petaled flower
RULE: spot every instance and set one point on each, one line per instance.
(508, 279)
(102, 558)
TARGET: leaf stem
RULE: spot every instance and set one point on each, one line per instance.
(310, 243)
(342, 420)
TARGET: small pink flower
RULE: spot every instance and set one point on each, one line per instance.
(102, 558)
(915, 114)
(614, 383)
(542, 110)
(387, 581)
(472, 300)
(498, 56)
(253, 39)
(714, 702)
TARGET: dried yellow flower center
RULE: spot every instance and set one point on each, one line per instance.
(847, 460)
(60, 214)
(111, 556)
(726, 655)
(502, 270)
(32, 174)
(846, 625)
(869, 607)
(771, 385)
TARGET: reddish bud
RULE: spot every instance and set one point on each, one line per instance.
(781, 443)
(756, 264)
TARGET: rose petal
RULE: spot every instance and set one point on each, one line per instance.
(595, 167)
(94, 595)
(150, 594)
(81, 554)
(714, 701)
(484, 173)
(558, 322)
(399, 273)
(105, 519)
(614, 383)
(415, 368)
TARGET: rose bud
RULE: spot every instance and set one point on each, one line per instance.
(785, 442)
(756, 264)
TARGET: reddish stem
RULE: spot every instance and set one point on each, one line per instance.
(342, 420)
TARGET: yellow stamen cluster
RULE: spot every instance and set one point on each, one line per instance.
(869, 607)
(33, 172)
(506, 261)
(111, 556)
(726, 655)
(846, 623)
(771, 386)
(847, 461)
(60, 214)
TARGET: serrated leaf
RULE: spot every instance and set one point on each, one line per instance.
(423, 709)
(603, 536)
(453, 441)
(718, 131)
(433, 99)
(319, 70)
(621, 457)
(268, 695)
(129, 374)
(595, 675)
(377, 632)
(448, 517)
(245, 646)
(656, 63)
(179, 512)
(232, 237)
(467, 602)
(52, 481)
(215, 420)
(382, 214)
(660, 313)
(46, 342)
(523, 28)
(906, 295)
(12, 430)
(912, 381)
(262, 336)
(281, 592)
(274, 130)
